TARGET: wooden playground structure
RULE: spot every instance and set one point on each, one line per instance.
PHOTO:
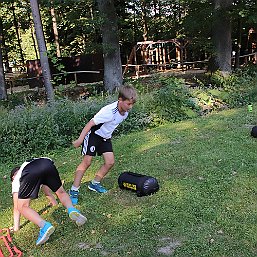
(162, 55)
(158, 55)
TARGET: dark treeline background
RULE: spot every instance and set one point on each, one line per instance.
(213, 29)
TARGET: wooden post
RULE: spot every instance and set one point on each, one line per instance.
(75, 77)
(178, 56)
(164, 56)
(157, 55)
(131, 56)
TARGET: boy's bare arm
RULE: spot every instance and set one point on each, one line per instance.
(83, 133)
(16, 213)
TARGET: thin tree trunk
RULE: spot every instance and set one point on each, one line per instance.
(33, 35)
(56, 36)
(239, 43)
(144, 19)
(222, 35)
(42, 50)
(3, 92)
(17, 34)
(111, 47)
(4, 50)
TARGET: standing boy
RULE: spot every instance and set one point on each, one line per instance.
(26, 183)
(95, 138)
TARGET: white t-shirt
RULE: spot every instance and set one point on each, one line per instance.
(16, 180)
(110, 117)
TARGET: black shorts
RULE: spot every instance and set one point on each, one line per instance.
(94, 144)
(39, 172)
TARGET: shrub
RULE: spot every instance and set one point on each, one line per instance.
(172, 101)
(239, 88)
(34, 130)
(26, 132)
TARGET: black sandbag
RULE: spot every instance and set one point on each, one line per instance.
(254, 131)
(143, 185)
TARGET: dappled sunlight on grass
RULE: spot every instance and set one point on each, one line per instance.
(152, 140)
(172, 188)
(206, 168)
(125, 216)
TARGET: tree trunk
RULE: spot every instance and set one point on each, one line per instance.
(3, 92)
(222, 35)
(144, 19)
(17, 34)
(4, 49)
(32, 31)
(111, 48)
(239, 43)
(42, 50)
(56, 36)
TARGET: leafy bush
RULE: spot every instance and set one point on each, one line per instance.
(219, 92)
(172, 101)
(26, 132)
(35, 130)
(239, 88)
(138, 119)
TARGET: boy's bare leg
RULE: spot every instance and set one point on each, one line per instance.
(83, 166)
(95, 185)
(46, 228)
(16, 213)
(74, 214)
(64, 197)
(81, 169)
(48, 193)
(108, 164)
(28, 213)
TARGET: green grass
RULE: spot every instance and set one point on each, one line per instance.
(206, 206)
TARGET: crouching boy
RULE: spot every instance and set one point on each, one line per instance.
(26, 183)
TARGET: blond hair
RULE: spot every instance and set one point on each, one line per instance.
(128, 93)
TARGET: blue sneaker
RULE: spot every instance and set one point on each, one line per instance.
(75, 215)
(97, 188)
(44, 233)
(74, 196)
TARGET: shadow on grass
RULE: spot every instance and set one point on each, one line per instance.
(205, 170)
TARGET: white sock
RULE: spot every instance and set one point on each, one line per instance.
(75, 188)
(95, 182)
(42, 224)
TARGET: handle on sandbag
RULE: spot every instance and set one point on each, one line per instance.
(135, 174)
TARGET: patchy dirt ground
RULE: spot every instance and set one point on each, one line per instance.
(167, 246)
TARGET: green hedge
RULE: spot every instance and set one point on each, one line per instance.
(35, 130)
(31, 131)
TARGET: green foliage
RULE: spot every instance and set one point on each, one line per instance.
(32, 130)
(36, 130)
(239, 88)
(79, 22)
(58, 66)
(221, 92)
(171, 101)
